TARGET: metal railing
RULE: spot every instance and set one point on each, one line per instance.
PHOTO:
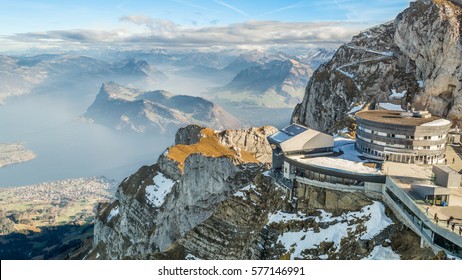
(420, 213)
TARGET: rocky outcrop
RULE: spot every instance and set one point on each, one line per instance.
(188, 135)
(418, 54)
(336, 202)
(206, 182)
(252, 139)
(257, 222)
(433, 44)
(161, 203)
(242, 145)
(234, 230)
(133, 225)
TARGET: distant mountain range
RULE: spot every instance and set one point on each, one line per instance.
(157, 111)
(25, 74)
(277, 83)
(22, 74)
(250, 84)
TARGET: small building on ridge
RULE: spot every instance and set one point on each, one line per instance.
(296, 139)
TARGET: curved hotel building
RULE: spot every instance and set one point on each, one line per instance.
(410, 137)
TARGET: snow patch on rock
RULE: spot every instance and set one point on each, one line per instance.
(377, 220)
(382, 253)
(114, 212)
(339, 227)
(155, 194)
(397, 95)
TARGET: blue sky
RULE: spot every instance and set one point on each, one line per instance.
(164, 23)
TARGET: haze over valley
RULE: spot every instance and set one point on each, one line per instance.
(47, 104)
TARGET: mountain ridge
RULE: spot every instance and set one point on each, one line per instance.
(126, 108)
(276, 83)
(419, 52)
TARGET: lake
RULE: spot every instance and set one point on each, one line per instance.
(67, 148)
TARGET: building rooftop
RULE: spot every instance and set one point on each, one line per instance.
(296, 137)
(405, 175)
(395, 118)
(446, 169)
(337, 163)
(347, 159)
(287, 133)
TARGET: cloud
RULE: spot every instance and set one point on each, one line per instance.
(158, 25)
(139, 20)
(167, 34)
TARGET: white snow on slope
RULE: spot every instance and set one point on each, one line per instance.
(382, 253)
(377, 220)
(349, 75)
(155, 194)
(249, 187)
(239, 194)
(356, 108)
(191, 257)
(302, 240)
(397, 95)
(280, 216)
(299, 241)
(114, 212)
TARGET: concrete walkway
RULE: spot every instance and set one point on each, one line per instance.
(454, 152)
(406, 174)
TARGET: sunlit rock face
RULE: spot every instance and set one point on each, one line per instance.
(161, 203)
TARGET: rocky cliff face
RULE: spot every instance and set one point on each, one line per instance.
(252, 139)
(416, 58)
(256, 222)
(161, 203)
